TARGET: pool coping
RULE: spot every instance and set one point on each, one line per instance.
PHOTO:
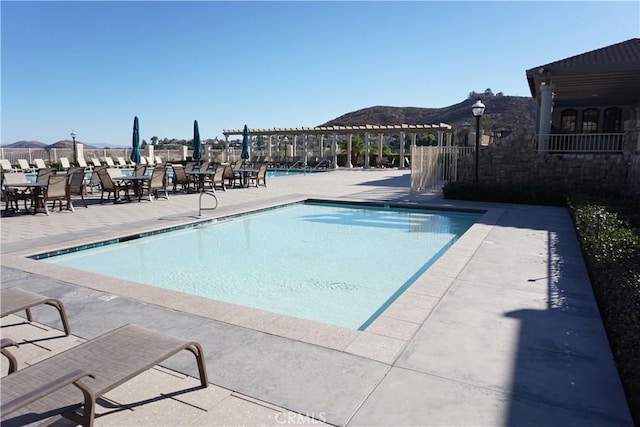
(383, 340)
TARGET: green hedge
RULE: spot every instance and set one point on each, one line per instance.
(608, 229)
(503, 193)
(609, 233)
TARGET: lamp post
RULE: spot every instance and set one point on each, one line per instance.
(75, 147)
(465, 127)
(478, 111)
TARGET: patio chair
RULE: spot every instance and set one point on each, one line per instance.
(77, 184)
(140, 170)
(109, 186)
(13, 300)
(109, 162)
(158, 160)
(150, 161)
(13, 362)
(43, 175)
(157, 182)
(6, 166)
(219, 176)
(180, 178)
(57, 191)
(13, 195)
(260, 176)
(96, 162)
(60, 385)
(25, 167)
(231, 174)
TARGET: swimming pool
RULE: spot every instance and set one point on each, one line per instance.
(341, 264)
(290, 172)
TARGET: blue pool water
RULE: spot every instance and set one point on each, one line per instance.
(337, 264)
(292, 172)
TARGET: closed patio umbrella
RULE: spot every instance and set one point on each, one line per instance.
(245, 143)
(197, 152)
(135, 143)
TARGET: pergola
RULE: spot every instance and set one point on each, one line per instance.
(442, 130)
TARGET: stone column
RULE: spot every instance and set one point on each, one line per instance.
(544, 118)
(401, 159)
(367, 165)
(225, 156)
(381, 139)
(334, 150)
(295, 144)
(349, 148)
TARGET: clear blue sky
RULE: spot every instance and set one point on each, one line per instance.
(92, 66)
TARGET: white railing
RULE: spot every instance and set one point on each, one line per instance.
(581, 143)
(432, 167)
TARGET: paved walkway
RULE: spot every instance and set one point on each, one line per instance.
(502, 330)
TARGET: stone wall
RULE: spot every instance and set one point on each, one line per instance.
(515, 160)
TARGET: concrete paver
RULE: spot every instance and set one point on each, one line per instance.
(502, 330)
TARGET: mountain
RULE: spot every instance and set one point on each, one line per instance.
(66, 143)
(503, 112)
(27, 144)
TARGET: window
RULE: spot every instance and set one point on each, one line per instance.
(590, 120)
(568, 120)
(612, 120)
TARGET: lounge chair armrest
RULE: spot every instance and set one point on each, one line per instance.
(13, 362)
(7, 342)
(50, 387)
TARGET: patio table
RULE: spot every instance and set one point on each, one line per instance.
(34, 194)
(201, 174)
(245, 174)
(137, 181)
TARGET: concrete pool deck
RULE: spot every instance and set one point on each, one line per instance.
(502, 330)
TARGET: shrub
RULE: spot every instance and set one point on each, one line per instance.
(609, 233)
(491, 192)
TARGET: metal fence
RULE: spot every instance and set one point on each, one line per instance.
(581, 143)
(433, 167)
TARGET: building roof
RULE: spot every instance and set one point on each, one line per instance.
(609, 75)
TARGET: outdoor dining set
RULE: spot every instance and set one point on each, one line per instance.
(45, 185)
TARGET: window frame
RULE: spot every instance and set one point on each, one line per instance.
(590, 124)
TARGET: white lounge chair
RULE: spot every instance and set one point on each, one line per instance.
(7, 167)
(83, 163)
(40, 164)
(64, 162)
(24, 166)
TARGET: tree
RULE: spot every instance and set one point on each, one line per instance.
(154, 140)
(426, 140)
(488, 91)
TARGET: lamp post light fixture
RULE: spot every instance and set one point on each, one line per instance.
(75, 147)
(465, 127)
(478, 111)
